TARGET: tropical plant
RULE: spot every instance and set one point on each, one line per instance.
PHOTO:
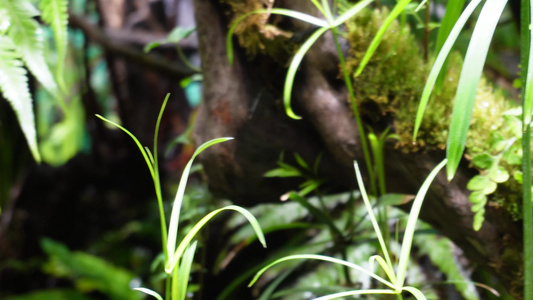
(178, 257)
(396, 275)
(21, 45)
(464, 103)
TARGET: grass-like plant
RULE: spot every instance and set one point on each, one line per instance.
(466, 92)
(179, 256)
(395, 281)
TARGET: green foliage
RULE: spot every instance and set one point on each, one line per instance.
(395, 276)
(89, 272)
(181, 254)
(21, 46)
(54, 13)
(312, 180)
(63, 294)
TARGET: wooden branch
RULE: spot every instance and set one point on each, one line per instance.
(149, 61)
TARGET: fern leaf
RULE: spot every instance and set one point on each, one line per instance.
(27, 37)
(14, 87)
(54, 13)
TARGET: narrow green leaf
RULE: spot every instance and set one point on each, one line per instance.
(323, 258)
(439, 62)
(174, 37)
(453, 11)
(291, 73)
(174, 259)
(411, 223)
(379, 35)
(353, 293)
(276, 11)
(383, 264)
(184, 271)
(14, 87)
(527, 104)
(526, 11)
(350, 13)
(149, 292)
(371, 215)
(301, 161)
(469, 80)
(54, 13)
(415, 292)
(452, 14)
(174, 217)
(139, 145)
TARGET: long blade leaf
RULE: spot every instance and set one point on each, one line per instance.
(184, 271)
(469, 80)
(379, 35)
(353, 293)
(174, 217)
(411, 223)
(291, 73)
(190, 235)
(323, 258)
(439, 62)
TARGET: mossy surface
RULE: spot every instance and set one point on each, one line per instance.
(393, 82)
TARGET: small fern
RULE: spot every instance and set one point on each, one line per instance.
(21, 45)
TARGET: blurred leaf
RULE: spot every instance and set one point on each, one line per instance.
(483, 160)
(499, 175)
(27, 36)
(479, 217)
(54, 13)
(88, 272)
(59, 294)
(174, 37)
(477, 197)
(14, 87)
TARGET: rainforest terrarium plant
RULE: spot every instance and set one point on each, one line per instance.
(179, 256)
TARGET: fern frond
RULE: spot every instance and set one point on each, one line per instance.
(27, 37)
(54, 13)
(14, 87)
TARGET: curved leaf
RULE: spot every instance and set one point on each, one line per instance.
(149, 292)
(353, 293)
(291, 73)
(175, 257)
(175, 215)
(323, 258)
(468, 82)
(439, 62)
(411, 223)
(379, 35)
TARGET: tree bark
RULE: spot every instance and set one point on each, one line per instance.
(243, 100)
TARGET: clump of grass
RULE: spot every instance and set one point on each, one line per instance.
(179, 256)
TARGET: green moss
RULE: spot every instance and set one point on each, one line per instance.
(393, 82)
(259, 33)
